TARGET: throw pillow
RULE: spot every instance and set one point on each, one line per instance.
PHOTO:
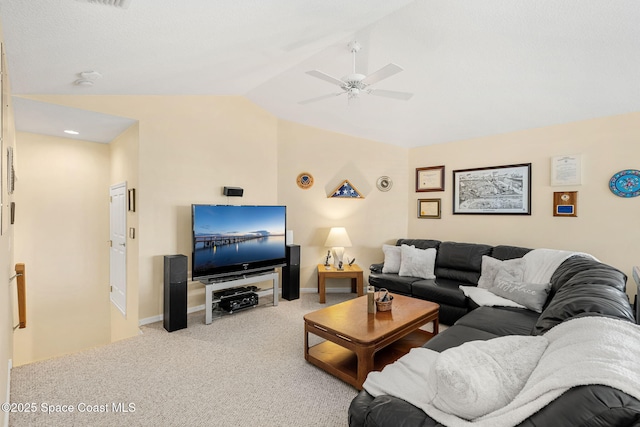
(417, 262)
(392, 257)
(491, 267)
(531, 295)
(479, 377)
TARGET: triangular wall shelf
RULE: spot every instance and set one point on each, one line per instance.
(346, 190)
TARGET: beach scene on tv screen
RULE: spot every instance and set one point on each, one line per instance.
(230, 235)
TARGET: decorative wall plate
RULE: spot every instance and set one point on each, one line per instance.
(384, 183)
(305, 180)
(625, 183)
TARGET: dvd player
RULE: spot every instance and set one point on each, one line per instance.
(239, 301)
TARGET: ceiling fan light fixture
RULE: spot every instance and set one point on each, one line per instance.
(355, 83)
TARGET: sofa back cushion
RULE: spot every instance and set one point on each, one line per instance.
(419, 243)
(582, 287)
(505, 252)
(460, 261)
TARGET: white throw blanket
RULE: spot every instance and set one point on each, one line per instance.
(539, 266)
(581, 351)
(484, 297)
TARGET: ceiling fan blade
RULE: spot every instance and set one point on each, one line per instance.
(320, 98)
(326, 77)
(384, 72)
(405, 96)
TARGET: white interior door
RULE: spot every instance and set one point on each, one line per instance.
(118, 252)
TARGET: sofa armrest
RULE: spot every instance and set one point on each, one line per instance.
(376, 268)
(386, 411)
(590, 405)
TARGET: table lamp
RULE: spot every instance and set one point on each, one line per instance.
(338, 239)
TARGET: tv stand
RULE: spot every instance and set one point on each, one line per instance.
(213, 286)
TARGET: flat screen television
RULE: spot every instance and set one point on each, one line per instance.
(236, 240)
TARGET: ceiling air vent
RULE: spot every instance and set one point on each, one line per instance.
(123, 4)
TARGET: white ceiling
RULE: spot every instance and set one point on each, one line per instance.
(476, 67)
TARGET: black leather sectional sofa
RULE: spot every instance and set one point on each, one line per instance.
(456, 264)
(579, 287)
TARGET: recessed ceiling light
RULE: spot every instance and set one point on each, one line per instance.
(71, 132)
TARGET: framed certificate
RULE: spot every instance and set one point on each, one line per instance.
(566, 170)
(430, 178)
(429, 208)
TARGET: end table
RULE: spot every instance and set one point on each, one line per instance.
(353, 272)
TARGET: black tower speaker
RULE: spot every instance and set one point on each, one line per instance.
(291, 274)
(175, 292)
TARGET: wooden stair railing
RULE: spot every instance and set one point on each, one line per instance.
(22, 296)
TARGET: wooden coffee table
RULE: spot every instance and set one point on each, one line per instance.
(358, 342)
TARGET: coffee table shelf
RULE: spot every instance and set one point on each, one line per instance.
(343, 363)
(357, 342)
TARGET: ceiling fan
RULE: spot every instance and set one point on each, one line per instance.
(355, 84)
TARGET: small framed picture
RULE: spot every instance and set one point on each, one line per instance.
(430, 179)
(565, 203)
(429, 208)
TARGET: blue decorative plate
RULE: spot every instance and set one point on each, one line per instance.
(625, 183)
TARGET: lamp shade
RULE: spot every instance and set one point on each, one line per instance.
(338, 237)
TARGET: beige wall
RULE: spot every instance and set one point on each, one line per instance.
(124, 161)
(192, 146)
(606, 225)
(331, 158)
(61, 230)
(189, 148)
(8, 301)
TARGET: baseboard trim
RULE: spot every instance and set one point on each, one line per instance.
(327, 290)
(152, 319)
(160, 317)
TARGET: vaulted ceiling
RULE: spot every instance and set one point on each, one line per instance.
(475, 67)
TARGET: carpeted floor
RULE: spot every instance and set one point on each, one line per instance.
(245, 369)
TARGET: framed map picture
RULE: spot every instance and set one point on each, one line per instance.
(493, 190)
